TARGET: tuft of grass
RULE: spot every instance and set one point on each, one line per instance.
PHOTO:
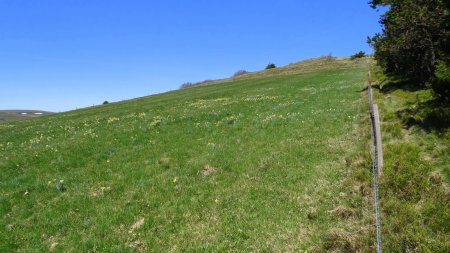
(341, 241)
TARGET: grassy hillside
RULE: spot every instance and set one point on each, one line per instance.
(306, 66)
(245, 165)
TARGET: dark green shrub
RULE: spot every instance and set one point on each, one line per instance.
(271, 66)
(240, 72)
(189, 84)
(105, 102)
(441, 81)
(358, 55)
(186, 85)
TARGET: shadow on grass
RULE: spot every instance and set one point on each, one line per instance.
(430, 115)
(406, 85)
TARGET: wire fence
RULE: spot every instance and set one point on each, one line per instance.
(377, 159)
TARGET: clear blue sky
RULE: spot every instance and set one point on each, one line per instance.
(59, 55)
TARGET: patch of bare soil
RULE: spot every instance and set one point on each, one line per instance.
(207, 170)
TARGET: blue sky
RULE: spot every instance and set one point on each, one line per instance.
(60, 55)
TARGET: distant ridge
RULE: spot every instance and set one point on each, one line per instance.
(301, 67)
(19, 114)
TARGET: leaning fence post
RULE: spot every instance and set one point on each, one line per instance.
(379, 145)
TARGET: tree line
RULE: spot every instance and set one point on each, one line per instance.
(414, 43)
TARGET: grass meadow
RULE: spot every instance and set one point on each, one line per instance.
(253, 165)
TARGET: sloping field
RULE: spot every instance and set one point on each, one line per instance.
(247, 165)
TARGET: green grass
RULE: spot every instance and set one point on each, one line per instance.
(415, 184)
(248, 165)
(414, 189)
(277, 161)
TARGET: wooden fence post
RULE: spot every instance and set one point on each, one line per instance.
(379, 144)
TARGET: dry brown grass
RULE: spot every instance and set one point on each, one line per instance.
(207, 170)
(343, 212)
(301, 67)
(136, 225)
(306, 66)
(341, 241)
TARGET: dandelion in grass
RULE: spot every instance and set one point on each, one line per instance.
(112, 119)
(174, 180)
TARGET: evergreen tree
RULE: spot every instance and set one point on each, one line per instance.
(414, 38)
